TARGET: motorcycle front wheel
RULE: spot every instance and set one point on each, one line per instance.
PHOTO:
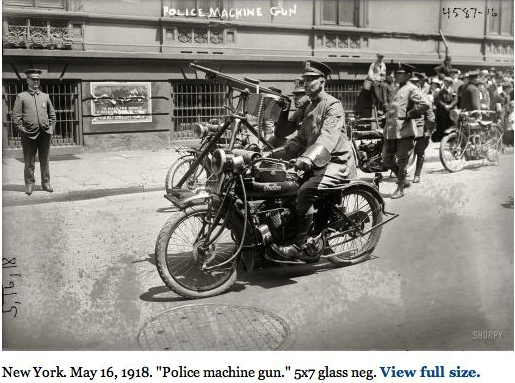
(179, 168)
(494, 144)
(181, 254)
(451, 153)
(355, 242)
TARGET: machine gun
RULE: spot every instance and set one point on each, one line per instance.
(246, 85)
(259, 101)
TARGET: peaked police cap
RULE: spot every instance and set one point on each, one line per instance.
(315, 68)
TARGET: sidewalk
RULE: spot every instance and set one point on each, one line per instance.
(98, 174)
(90, 175)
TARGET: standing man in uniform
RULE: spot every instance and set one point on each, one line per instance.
(34, 117)
(425, 127)
(400, 128)
(321, 148)
(470, 95)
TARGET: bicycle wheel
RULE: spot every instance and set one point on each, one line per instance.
(179, 168)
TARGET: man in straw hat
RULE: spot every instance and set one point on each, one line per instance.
(34, 117)
(320, 149)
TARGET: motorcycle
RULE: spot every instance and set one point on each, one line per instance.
(366, 135)
(474, 136)
(250, 206)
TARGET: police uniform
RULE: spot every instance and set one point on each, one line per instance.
(400, 129)
(320, 143)
(425, 126)
(470, 95)
(34, 117)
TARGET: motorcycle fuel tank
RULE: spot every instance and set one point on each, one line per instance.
(263, 190)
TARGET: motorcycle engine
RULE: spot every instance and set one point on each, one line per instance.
(273, 221)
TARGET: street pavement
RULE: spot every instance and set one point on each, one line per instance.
(89, 175)
(86, 280)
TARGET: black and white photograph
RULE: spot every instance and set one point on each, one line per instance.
(271, 175)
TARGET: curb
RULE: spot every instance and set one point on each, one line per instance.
(77, 195)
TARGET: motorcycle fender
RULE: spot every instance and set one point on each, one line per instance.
(450, 130)
(358, 184)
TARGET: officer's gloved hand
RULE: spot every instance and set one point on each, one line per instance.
(303, 163)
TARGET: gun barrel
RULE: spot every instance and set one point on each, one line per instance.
(233, 81)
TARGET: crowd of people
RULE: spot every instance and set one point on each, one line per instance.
(417, 107)
(449, 88)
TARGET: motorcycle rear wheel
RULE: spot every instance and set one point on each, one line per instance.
(179, 258)
(179, 168)
(451, 153)
(366, 212)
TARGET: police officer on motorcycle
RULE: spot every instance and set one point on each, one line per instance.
(321, 150)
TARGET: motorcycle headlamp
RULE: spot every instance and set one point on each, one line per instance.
(199, 130)
(226, 161)
(454, 114)
(218, 161)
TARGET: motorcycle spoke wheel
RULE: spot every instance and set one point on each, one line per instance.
(451, 153)
(494, 145)
(351, 245)
(180, 258)
(179, 169)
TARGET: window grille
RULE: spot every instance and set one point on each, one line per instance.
(37, 34)
(200, 101)
(196, 101)
(64, 97)
(347, 92)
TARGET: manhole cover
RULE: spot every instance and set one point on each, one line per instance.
(214, 327)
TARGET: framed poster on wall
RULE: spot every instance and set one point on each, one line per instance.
(121, 102)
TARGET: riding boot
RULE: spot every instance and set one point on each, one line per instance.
(418, 169)
(294, 251)
(395, 170)
(401, 184)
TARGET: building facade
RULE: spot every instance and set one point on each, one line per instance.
(118, 70)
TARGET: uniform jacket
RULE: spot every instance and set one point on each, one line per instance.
(407, 104)
(470, 97)
(33, 112)
(322, 124)
(426, 123)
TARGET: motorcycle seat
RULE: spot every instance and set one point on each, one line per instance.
(368, 135)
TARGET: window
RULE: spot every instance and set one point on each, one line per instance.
(36, 3)
(340, 12)
(502, 24)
